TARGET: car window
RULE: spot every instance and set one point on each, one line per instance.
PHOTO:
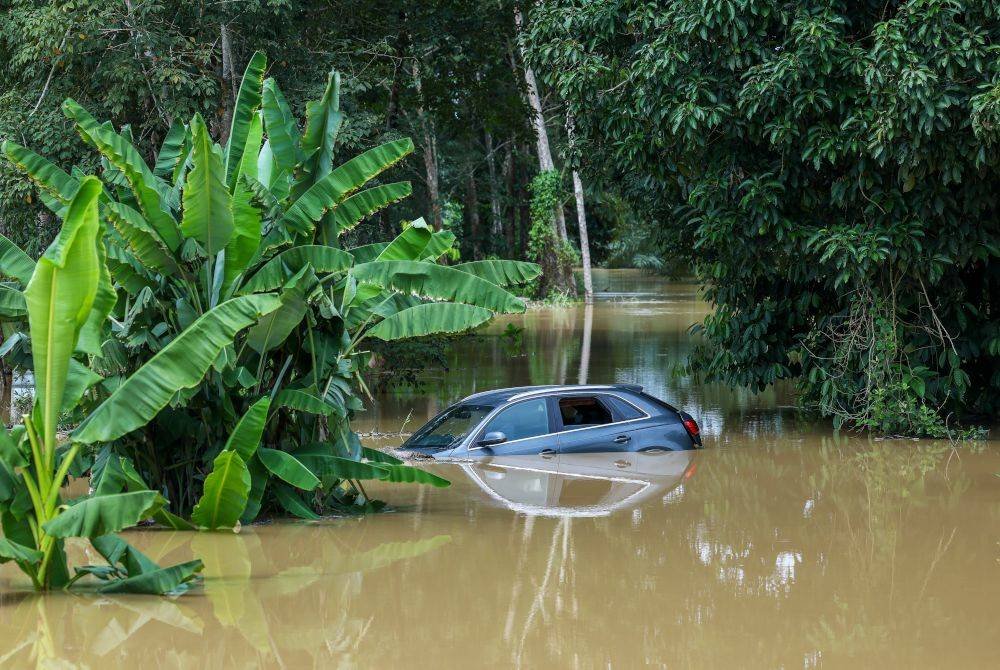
(583, 412)
(525, 419)
(449, 427)
(624, 408)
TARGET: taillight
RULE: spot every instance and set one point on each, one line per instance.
(691, 426)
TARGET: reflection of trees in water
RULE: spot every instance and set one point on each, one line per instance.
(278, 602)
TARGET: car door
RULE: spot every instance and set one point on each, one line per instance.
(587, 424)
(528, 427)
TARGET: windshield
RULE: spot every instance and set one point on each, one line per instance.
(449, 428)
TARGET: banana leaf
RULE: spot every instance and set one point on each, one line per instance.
(14, 262)
(356, 208)
(283, 266)
(429, 319)
(406, 474)
(286, 467)
(225, 494)
(334, 187)
(248, 101)
(47, 176)
(101, 515)
(502, 273)
(246, 436)
(409, 244)
(437, 282)
(180, 365)
(208, 211)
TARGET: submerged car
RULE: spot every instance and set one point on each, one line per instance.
(551, 420)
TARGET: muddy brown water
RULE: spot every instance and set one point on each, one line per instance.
(778, 546)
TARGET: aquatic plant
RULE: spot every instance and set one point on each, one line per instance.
(259, 217)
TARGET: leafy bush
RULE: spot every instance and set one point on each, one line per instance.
(255, 415)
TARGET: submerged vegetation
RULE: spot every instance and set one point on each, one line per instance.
(206, 317)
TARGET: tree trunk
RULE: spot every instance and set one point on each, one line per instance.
(472, 214)
(510, 179)
(496, 214)
(581, 212)
(581, 217)
(541, 132)
(6, 392)
(588, 327)
(229, 92)
(430, 151)
(524, 206)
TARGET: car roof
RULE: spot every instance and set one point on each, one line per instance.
(501, 396)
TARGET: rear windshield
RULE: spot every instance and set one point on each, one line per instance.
(450, 427)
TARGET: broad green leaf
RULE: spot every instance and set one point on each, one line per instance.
(502, 273)
(275, 327)
(376, 456)
(287, 468)
(409, 244)
(153, 195)
(248, 101)
(248, 165)
(437, 282)
(441, 243)
(79, 378)
(411, 475)
(59, 298)
(367, 252)
(282, 132)
(47, 176)
(323, 121)
(303, 401)
(293, 504)
(12, 304)
(12, 551)
(246, 436)
(225, 494)
(324, 465)
(101, 515)
(171, 149)
(258, 484)
(157, 582)
(282, 267)
(208, 212)
(340, 183)
(11, 453)
(429, 319)
(180, 365)
(246, 237)
(356, 208)
(14, 262)
(142, 239)
(118, 552)
(93, 331)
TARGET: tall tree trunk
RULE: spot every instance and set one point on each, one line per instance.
(472, 214)
(230, 87)
(6, 392)
(538, 118)
(524, 208)
(581, 217)
(496, 214)
(510, 177)
(588, 328)
(430, 151)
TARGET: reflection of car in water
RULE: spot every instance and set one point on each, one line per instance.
(594, 484)
(555, 420)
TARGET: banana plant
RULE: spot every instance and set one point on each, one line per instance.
(67, 299)
(262, 216)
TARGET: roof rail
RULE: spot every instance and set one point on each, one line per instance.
(575, 387)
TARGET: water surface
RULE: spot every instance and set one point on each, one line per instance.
(778, 546)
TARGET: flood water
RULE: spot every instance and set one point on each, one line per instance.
(780, 545)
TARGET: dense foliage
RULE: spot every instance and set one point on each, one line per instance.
(66, 304)
(228, 289)
(831, 168)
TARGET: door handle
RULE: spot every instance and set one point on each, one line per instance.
(622, 439)
(547, 453)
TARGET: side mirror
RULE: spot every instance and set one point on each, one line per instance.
(491, 438)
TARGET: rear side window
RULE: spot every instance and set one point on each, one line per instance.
(583, 412)
(525, 419)
(625, 409)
